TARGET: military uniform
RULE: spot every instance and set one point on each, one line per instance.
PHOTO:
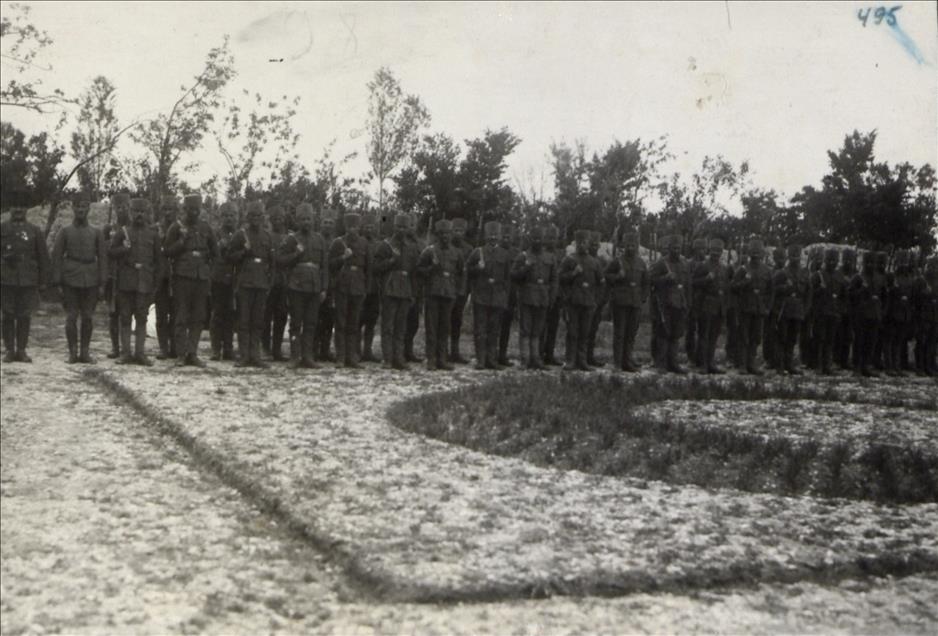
(629, 285)
(163, 299)
(829, 304)
(489, 269)
(138, 260)
(275, 309)
(396, 266)
(866, 292)
(791, 289)
(371, 306)
(670, 279)
(24, 269)
(711, 284)
(602, 299)
(771, 347)
(580, 275)
(251, 252)
(691, 339)
(753, 284)
(79, 265)
(557, 252)
(120, 206)
(441, 267)
(462, 292)
(327, 307)
(191, 246)
(899, 314)
(349, 264)
(510, 244)
(926, 314)
(844, 353)
(413, 314)
(536, 274)
(224, 311)
(303, 257)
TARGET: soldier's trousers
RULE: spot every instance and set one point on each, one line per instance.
(165, 318)
(552, 325)
(624, 328)
(807, 344)
(189, 296)
(19, 302)
(134, 308)
(692, 336)
(436, 324)
(750, 336)
(789, 330)
(531, 322)
(348, 315)
(222, 323)
(455, 325)
(371, 310)
(843, 342)
(926, 348)
(672, 325)
(771, 348)
(731, 346)
(504, 329)
(486, 329)
(79, 302)
(595, 321)
(303, 308)
(275, 319)
(413, 324)
(708, 332)
(578, 320)
(895, 346)
(394, 313)
(324, 329)
(825, 333)
(252, 309)
(866, 334)
(113, 298)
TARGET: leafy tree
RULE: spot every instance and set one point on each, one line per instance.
(484, 193)
(96, 134)
(31, 173)
(171, 135)
(428, 185)
(394, 121)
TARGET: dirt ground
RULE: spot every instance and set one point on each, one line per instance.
(260, 511)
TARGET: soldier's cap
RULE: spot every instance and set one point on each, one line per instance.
(352, 220)
(169, 201)
(460, 224)
(831, 254)
(793, 250)
(581, 235)
(552, 232)
(304, 208)
(401, 221)
(121, 198)
(443, 226)
(139, 205)
(275, 210)
(192, 201)
(716, 243)
(492, 229)
(756, 246)
(700, 243)
(228, 207)
(255, 207)
(536, 234)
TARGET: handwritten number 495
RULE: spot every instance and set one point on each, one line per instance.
(879, 15)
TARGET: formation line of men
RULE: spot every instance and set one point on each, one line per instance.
(260, 278)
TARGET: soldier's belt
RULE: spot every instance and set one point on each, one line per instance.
(353, 268)
(447, 274)
(540, 281)
(632, 284)
(584, 285)
(138, 265)
(257, 260)
(306, 264)
(491, 281)
(196, 253)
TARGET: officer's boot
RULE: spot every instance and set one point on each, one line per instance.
(534, 353)
(126, 355)
(9, 337)
(673, 365)
(661, 353)
(244, 350)
(256, 359)
(84, 355)
(308, 351)
(398, 358)
(296, 353)
(524, 360)
(22, 338)
(215, 338)
(140, 346)
(71, 337)
(114, 329)
(193, 349)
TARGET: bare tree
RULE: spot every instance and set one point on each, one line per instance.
(95, 133)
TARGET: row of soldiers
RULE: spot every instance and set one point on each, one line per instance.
(254, 280)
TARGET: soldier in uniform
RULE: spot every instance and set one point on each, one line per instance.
(441, 267)
(866, 290)
(926, 339)
(191, 246)
(163, 299)
(881, 261)
(602, 299)
(711, 286)
(275, 311)
(120, 205)
(843, 340)
(396, 264)
(828, 304)
(79, 266)
(536, 273)
(557, 251)
(771, 349)
(670, 279)
(753, 284)
(251, 251)
(511, 243)
(629, 285)
(899, 314)
(349, 266)
(221, 325)
(303, 258)
(731, 346)
(698, 257)
(138, 259)
(24, 271)
(413, 315)
(580, 274)
(791, 289)
(327, 308)
(371, 307)
(462, 291)
(489, 270)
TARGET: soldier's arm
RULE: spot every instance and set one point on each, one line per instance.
(237, 248)
(781, 283)
(323, 268)
(425, 265)
(214, 251)
(384, 258)
(118, 244)
(739, 281)
(336, 254)
(613, 272)
(646, 283)
(175, 241)
(520, 268)
(287, 254)
(472, 263)
(567, 270)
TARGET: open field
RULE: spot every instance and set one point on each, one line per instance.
(163, 500)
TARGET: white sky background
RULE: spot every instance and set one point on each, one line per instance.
(779, 84)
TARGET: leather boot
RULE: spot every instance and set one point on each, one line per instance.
(84, 355)
(308, 352)
(193, 358)
(140, 344)
(244, 350)
(215, 339)
(296, 357)
(114, 329)
(71, 336)
(126, 356)
(256, 353)
(9, 337)
(22, 339)
(368, 344)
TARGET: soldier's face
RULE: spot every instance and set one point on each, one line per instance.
(779, 259)
(192, 215)
(228, 220)
(254, 218)
(276, 222)
(123, 214)
(140, 216)
(169, 213)
(830, 260)
(715, 254)
(491, 241)
(674, 250)
(352, 230)
(305, 221)
(368, 231)
(629, 250)
(328, 225)
(795, 260)
(81, 212)
(459, 234)
(582, 245)
(445, 236)
(755, 258)
(700, 252)
(18, 215)
(850, 261)
(594, 246)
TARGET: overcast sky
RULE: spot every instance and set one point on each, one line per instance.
(775, 84)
